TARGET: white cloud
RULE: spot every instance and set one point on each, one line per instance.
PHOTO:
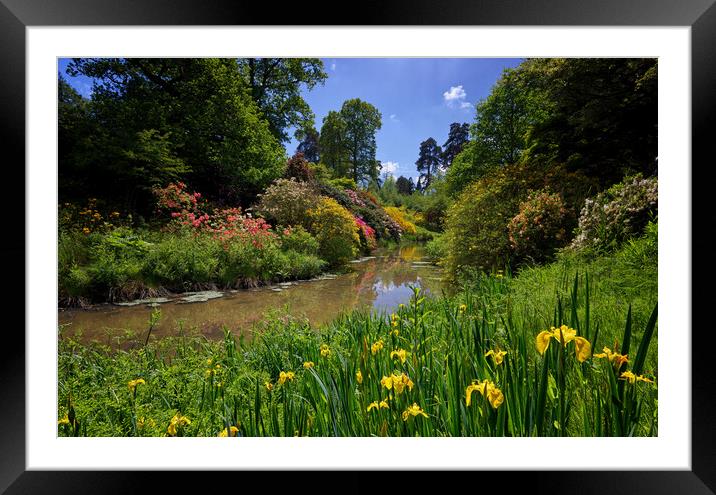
(455, 97)
(389, 167)
(394, 117)
(333, 66)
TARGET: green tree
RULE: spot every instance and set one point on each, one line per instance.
(334, 152)
(602, 116)
(193, 119)
(500, 131)
(308, 144)
(276, 85)
(404, 186)
(362, 121)
(458, 137)
(428, 163)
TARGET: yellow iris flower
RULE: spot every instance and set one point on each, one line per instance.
(225, 433)
(269, 386)
(325, 350)
(285, 376)
(413, 410)
(176, 421)
(376, 346)
(488, 389)
(132, 384)
(398, 382)
(64, 421)
(359, 376)
(582, 348)
(497, 356)
(463, 307)
(308, 364)
(614, 357)
(632, 378)
(400, 353)
(565, 335)
(378, 405)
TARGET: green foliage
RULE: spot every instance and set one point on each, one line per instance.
(476, 224)
(276, 85)
(436, 249)
(617, 214)
(180, 261)
(149, 120)
(336, 231)
(541, 226)
(299, 240)
(347, 140)
(428, 163)
(343, 183)
(602, 115)
(286, 201)
(458, 137)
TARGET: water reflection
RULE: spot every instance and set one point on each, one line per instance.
(380, 283)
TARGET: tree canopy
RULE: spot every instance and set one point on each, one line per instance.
(428, 163)
(276, 85)
(347, 141)
(157, 120)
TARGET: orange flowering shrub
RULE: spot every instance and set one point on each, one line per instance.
(540, 227)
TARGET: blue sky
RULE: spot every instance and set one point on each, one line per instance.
(417, 97)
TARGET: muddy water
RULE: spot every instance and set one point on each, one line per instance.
(381, 282)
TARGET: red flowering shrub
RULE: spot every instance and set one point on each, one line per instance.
(223, 224)
(366, 234)
(540, 227)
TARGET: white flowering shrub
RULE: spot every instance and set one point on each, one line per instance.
(617, 214)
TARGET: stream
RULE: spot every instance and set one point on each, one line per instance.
(380, 282)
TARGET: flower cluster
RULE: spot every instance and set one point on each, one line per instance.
(397, 382)
(565, 335)
(285, 376)
(488, 390)
(613, 356)
(176, 423)
(367, 234)
(87, 219)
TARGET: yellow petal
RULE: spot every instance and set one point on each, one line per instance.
(582, 348)
(542, 341)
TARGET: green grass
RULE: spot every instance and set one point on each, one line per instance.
(445, 339)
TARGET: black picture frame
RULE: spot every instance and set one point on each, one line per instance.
(700, 15)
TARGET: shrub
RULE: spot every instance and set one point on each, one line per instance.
(370, 212)
(541, 226)
(335, 229)
(87, 219)
(476, 224)
(298, 167)
(398, 217)
(286, 202)
(342, 183)
(617, 214)
(180, 261)
(367, 235)
(300, 265)
(299, 240)
(436, 248)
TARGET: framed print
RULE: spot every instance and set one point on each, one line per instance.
(632, 435)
